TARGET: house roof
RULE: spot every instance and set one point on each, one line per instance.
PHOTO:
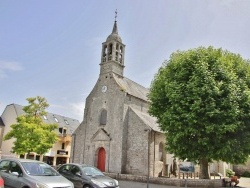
(69, 123)
(148, 120)
(132, 87)
(1, 122)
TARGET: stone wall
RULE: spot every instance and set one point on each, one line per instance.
(240, 169)
(202, 183)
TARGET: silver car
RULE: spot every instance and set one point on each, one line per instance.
(25, 173)
(85, 176)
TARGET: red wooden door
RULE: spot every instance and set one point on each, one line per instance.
(101, 159)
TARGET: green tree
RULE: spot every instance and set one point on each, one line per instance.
(31, 134)
(201, 99)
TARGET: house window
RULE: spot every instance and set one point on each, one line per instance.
(63, 145)
(161, 151)
(60, 130)
(103, 117)
(66, 121)
(63, 130)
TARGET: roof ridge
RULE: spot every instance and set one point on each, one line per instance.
(46, 111)
(136, 83)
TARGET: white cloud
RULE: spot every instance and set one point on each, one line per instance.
(71, 110)
(78, 110)
(9, 66)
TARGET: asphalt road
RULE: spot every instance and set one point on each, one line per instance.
(129, 184)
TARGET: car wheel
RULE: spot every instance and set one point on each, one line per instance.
(87, 186)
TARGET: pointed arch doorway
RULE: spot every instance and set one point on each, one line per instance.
(101, 159)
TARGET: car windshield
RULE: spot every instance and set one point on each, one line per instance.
(39, 169)
(91, 171)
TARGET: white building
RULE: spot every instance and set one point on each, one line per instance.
(61, 150)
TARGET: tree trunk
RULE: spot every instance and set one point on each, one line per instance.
(204, 169)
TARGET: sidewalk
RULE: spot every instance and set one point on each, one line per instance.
(244, 182)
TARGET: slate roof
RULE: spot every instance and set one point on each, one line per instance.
(140, 92)
(132, 87)
(148, 120)
(69, 123)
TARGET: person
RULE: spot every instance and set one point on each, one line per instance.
(235, 179)
(174, 167)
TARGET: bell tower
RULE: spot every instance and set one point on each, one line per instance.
(113, 50)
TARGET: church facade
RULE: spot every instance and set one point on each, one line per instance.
(117, 134)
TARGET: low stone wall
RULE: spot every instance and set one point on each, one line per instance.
(204, 183)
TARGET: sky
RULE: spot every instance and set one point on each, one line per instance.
(52, 48)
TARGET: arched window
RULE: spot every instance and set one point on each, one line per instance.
(161, 151)
(110, 51)
(116, 56)
(103, 117)
(104, 53)
(120, 56)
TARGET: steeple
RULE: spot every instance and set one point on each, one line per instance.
(112, 60)
(115, 30)
(114, 35)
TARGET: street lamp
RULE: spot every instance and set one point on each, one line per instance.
(148, 130)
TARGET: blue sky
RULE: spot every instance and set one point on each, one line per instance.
(52, 48)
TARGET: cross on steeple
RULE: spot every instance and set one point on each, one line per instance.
(115, 14)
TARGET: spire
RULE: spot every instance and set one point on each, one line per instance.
(114, 35)
(115, 29)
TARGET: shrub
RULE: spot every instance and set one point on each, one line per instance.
(246, 174)
(229, 173)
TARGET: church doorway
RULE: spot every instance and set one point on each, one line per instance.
(101, 159)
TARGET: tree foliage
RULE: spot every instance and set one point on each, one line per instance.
(31, 134)
(201, 98)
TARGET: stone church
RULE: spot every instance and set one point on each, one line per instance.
(117, 134)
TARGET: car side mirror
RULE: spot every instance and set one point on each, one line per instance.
(15, 173)
(78, 174)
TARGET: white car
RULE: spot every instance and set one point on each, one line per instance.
(26, 173)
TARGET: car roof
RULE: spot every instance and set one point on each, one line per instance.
(21, 160)
(79, 164)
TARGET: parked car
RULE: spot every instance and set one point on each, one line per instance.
(1, 182)
(85, 176)
(26, 173)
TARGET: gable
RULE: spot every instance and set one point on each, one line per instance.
(101, 135)
(147, 119)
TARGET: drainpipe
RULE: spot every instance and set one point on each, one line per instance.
(149, 131)
(154, 154)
